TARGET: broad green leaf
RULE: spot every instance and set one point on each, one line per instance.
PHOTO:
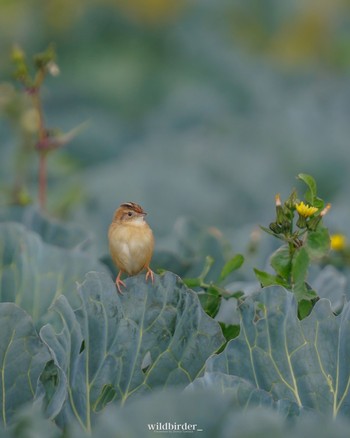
(239, 412)
(51, 391)
(22, 359)
(232, 265)
(281, 262)
(33, 274)
(312, 188)
(228, 312)
(300, 266)
(212, 414)
(317, 243)
(31, 422)
(267, 279)
(54, 232)
(210, 410)
(115, 346)
(307, 362)
(331, 284)
(243, 394)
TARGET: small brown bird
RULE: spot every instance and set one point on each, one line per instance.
(131, 242)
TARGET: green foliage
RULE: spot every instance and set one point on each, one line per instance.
(99, 351)
(43, 62)
(231, 265)
(213, 294)
(305, 362)
(46, 139)
(306, 239)
(22, 356)
(51, 231)
(116, 346)
(33, 273)
(161, 121)
(92, 360)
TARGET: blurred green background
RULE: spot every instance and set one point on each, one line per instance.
(202, 109)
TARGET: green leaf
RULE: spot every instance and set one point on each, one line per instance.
(30, 422)
(306, 362)
(317, 242)
(54, 232)
(272, 233)
(245, 394)
(281, 262)
(304, 308)
(214, 413)
(331, 284)
(267, 279)
(22, 357)
(233, 264)
(151, 336)
(319, 203)
(300, 266)
(218, 406)
(210, 301)
(193, 282)
(51, 390)
(33, 274)
(311, 193)
(229, 331)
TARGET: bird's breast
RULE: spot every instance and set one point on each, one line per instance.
(131, 246)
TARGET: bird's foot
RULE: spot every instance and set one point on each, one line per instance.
(150, 273)
(119, 282)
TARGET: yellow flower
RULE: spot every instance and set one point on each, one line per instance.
(338, 242)
(305, 210)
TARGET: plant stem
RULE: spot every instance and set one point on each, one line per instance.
(41, 139)
(42, 178)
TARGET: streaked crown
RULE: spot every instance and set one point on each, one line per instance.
(133, 206)
(129, 211)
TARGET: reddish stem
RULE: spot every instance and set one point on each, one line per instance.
(42, 136)
(42, 178)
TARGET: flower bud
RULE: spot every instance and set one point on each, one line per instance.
(53, 68)
(279, 210)
(325, 210)
(276, 228)
(312, 224)
(291, 201)
(17, 54)
(285, 226)
(301, 222)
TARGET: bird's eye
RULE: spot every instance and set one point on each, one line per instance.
(130, 213)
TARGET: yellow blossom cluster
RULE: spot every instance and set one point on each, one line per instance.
(305, 210)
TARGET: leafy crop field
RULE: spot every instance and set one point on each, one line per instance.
(230, 358)
(228, 122)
